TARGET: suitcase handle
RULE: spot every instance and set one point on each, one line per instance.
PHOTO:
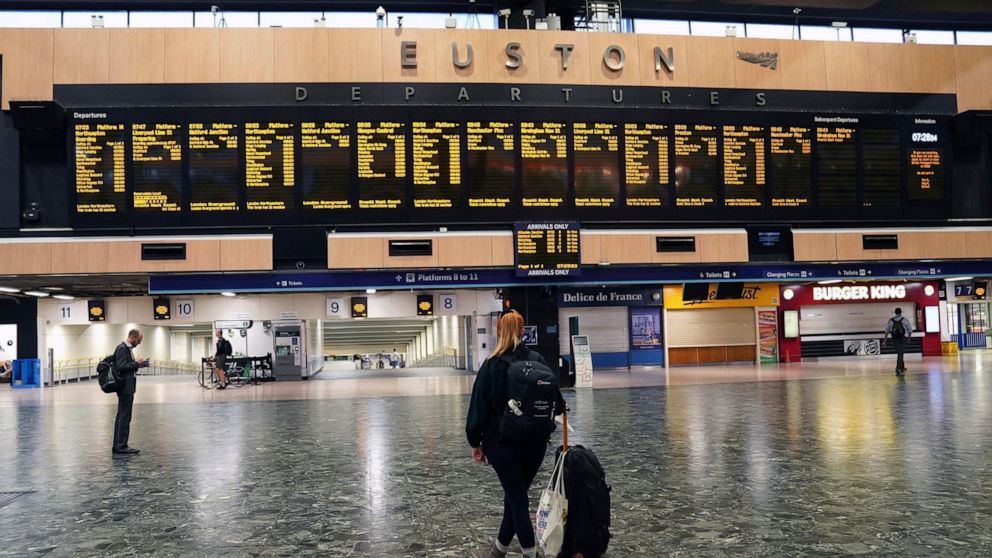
(564, 432)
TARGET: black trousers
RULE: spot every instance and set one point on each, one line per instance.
(122, 426)
(516, 465)
(900, 352)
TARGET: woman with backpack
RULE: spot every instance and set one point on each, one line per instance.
(510, 420)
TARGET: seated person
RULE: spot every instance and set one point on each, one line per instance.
(6, 369)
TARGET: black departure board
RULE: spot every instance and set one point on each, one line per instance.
(881, 163)
(270, 165)
(381, 165)
(544, 163)
(926, 175)
(646, 164)
(490, 163)
(791, 152)
(437, 164)
(214, 176)
(744, 174)
(546, 249)
(597, 163)
(157, 157)
(325, 164)
(837, 156)
(101, 156)
(697, 165)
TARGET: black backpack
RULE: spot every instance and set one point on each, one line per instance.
(531, 394)
(898, 329)
(106, 373)
(226, 347)
(587, 530)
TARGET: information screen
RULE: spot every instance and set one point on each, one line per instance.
(882, 175)
(837, 153)
(597, 164)
(157, 156)
(381, 165)
(926, 175)
(646, 164)
(270, 165)
(490, 163)
(101, 154)
(792, 166)
(544, 163)
(546, 249)
(214, 179)
(744, 175)
(325, 164)
(697, 165)
(437, 164)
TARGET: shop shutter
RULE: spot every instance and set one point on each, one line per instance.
(835, 319)
(711, 327)
(607, 328)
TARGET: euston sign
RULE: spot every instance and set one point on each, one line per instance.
(860, 292)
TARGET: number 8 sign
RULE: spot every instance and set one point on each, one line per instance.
(447, 305)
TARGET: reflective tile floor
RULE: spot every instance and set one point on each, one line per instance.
(850, 462)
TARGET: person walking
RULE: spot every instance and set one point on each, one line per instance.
(126, 367)
(222, 352)
(516, 461)
(900, 329)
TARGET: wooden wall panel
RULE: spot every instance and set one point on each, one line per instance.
(600, 73)
(356, 252)
(891, 68)
(463, 251)
(81, 257)
(973, 74)
(649, 76)
(684, 356)
(803, 65)
(530, 48)
(392, 69)
(711, 355)
(26, 258)
(741, 353)
(590, 248)
(354, 55)
(627, 248)
(82, 56)
(246, 56)
(849, 248)
(551, 58)
(503, 250)
(447, 72)
(815, 247)
(246, 255)
(979, 244)
(137, 56)
(847, 66)
(756, 76)
(945, 244)
(722, 248)
(28, 57)
(710, 62)
(301, 55)
(192, 55)
(933, 68)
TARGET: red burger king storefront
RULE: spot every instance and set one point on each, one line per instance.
(847, 319)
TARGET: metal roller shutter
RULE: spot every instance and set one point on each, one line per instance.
(606, 328)
(827, 319)
(711, 327)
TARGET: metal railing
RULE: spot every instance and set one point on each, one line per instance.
(81, 369)
(445, 358)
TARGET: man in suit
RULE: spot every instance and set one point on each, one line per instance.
(126, 369)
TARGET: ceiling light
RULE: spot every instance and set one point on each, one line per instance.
(829, 282)
(64, 297)
(53, 288)
(953, 279)
(228, 293)
(369, 291)
(39, 294)
(9, 290)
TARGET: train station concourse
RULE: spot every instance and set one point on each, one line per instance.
(571, 279)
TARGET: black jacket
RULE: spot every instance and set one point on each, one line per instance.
(489, 398)
(223, 348)
(126, 369)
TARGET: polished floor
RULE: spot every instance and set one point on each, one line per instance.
(828, 459)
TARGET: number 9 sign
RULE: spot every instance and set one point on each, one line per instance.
(336, 308)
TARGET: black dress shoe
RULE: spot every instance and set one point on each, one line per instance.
(126, 451)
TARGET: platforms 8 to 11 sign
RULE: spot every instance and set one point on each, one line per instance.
(546, 249)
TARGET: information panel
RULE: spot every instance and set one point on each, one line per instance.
(490, 163)
(437, 164)
(544, 163)
(697, 165)
(157, 158)
(881, 162)
(646, 164)
(837, 156)
(597, 164)
(381, 165)
(99, 167)
(270, 165)
(546, 249)
(744, 175)
(926, 175)
(214, 179)
(792, 166)
(325, 164)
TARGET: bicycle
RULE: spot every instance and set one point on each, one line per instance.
(238, 375)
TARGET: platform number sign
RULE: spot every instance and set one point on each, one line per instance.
(336, 308)
(184, 308)
(65, 312)
(447, 305)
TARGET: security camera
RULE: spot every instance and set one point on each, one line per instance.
(380, 12)
(399, 21)
(214, 9)
(505, 12)
(528, 13)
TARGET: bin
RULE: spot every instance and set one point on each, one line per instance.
(26, 373)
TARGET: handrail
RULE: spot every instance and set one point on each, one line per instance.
(84, 368)
(444, 358)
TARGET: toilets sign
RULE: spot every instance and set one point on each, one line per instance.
(860, 292)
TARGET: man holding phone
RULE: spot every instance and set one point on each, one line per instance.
(127, 367)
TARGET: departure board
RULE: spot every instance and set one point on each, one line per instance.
(744, 175)
(270, 165)
(646, 164)
(881, 163)
(546, 249)
(325, 164)
(544, 163)
(214, 178)
(837, 156)
(157, 158)
(381, 165)
(791, 153)
(99, 167)
(490, 163)
(437, 164)
(926, 175)
(597, 163)
(697, 165)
